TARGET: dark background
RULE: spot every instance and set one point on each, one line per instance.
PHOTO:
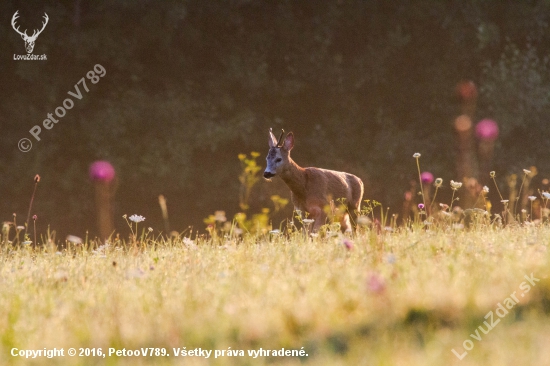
(191, 84)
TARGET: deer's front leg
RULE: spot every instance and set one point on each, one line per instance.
(317, 214)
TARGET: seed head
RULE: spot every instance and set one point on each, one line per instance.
(492, 174)
(526, 171)
(416, 155)
(438, 182)
(36, 178)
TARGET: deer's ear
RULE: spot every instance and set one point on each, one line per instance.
(272, 139)
(289, 141)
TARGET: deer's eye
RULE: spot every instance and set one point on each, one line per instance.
(278, 160)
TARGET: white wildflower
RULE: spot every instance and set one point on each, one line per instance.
(416, 155)
(485, 189)
(363, 220)
(546, 195)
(74, 239)
(137, 218)
(455, 185)
(532, 198)
(220, 216)
(135, 273)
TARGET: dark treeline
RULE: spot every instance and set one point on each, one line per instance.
(191, 84)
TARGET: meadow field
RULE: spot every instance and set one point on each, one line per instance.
(408, 296)
(161, 108)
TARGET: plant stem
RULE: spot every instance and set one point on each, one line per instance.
(498, 190)
(519, 194)
(420, 179)
(30, 206)
(452, 200)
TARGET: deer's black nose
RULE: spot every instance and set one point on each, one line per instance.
(268, 174)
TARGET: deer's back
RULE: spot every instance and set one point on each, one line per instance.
(324, 183)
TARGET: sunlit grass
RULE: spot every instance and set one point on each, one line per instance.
(404, 298)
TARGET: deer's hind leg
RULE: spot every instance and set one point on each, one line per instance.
(345, 223)
(354, 206)
(352, 214)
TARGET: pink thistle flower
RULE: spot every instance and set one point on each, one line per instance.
(348, 244)
(102, 171)
(427, 177)
(375, 283)
(487, 130)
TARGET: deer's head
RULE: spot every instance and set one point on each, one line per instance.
(29, 40)
(279, 153)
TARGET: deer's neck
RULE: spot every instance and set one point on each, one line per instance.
(295, 178)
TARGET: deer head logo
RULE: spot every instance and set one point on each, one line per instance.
(29, 41)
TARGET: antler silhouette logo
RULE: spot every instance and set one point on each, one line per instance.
(29, 41)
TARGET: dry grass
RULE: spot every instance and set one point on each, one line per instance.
(404, 298)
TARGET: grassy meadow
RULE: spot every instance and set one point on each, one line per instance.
(401, 297)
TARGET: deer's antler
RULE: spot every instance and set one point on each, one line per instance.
(281, 138)
(15, 16)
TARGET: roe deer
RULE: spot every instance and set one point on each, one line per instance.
(312, 189)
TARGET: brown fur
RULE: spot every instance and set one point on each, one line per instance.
(312, 189)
